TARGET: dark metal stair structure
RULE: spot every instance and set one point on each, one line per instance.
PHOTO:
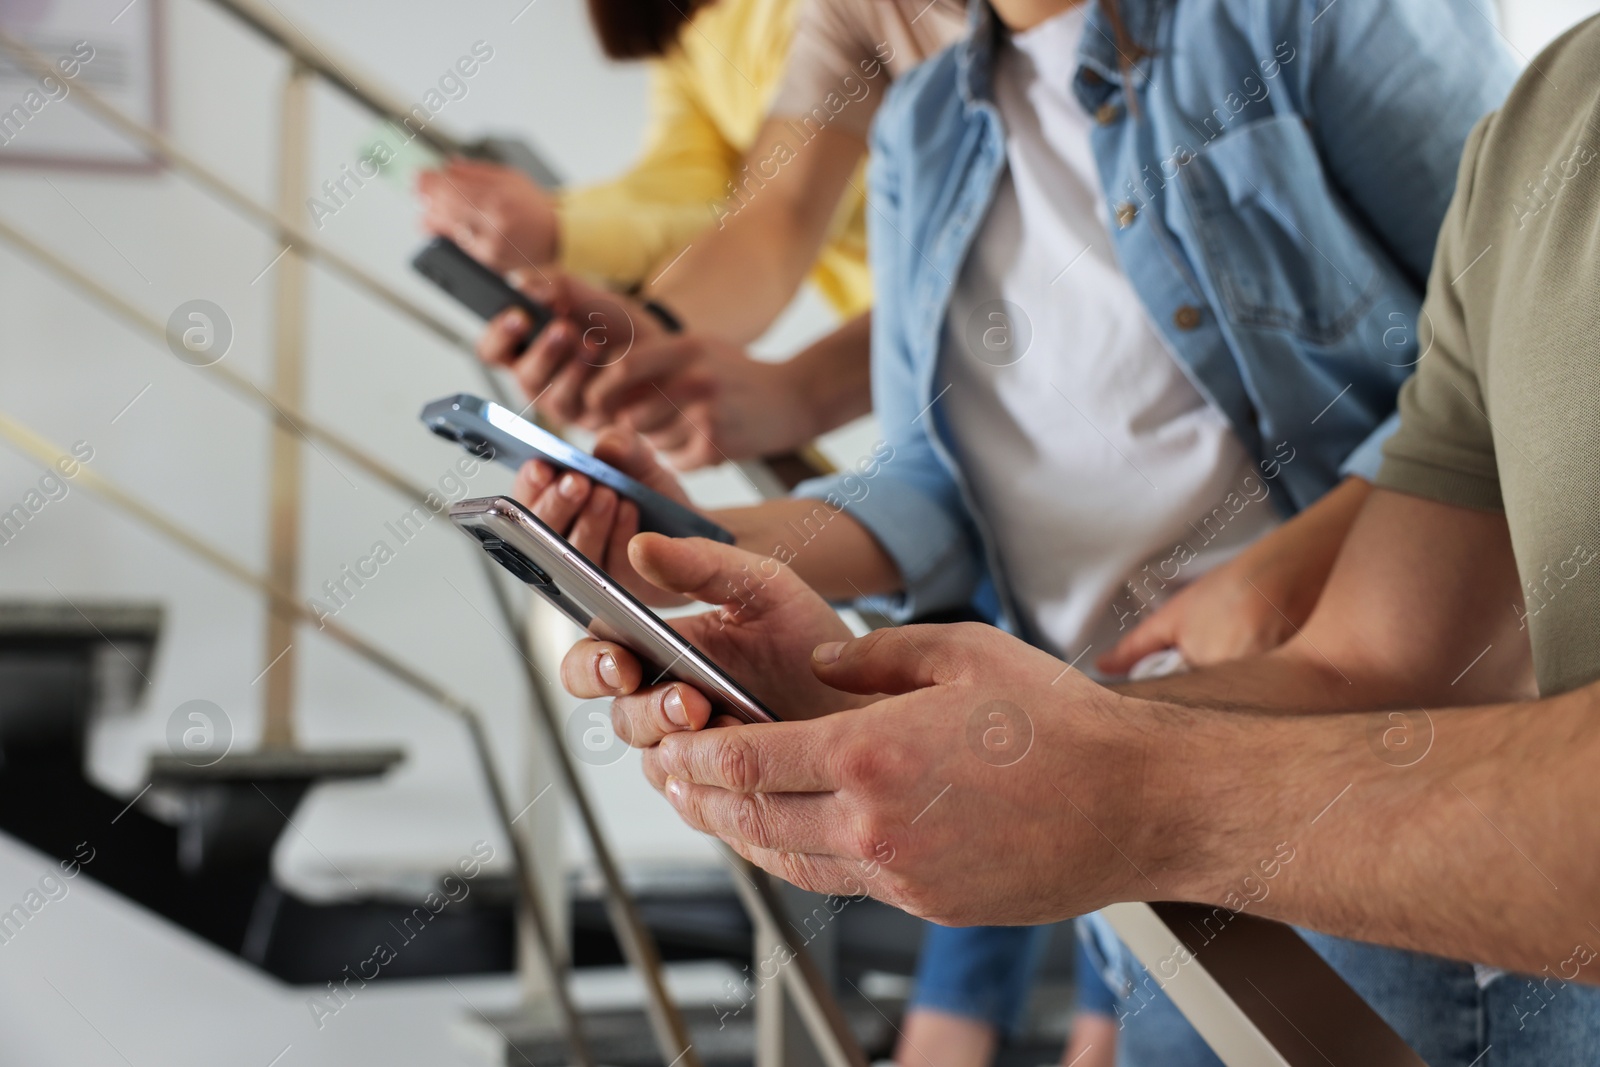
(61, 665)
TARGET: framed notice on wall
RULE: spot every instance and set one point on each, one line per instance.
(109, 47)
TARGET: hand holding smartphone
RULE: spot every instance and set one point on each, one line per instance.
(542, 559)
(761, 634)
(477, 287)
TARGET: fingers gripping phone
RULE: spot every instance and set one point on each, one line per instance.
(583, 592)
(490, 431)
(480, 289)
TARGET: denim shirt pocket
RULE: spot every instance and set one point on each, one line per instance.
(1278, 243)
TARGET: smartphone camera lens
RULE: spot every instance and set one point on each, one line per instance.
(476, 445)
(514, 561)
(446, 431)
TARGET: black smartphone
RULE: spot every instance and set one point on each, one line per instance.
(584, 593)
(477, 287)
(490, 431)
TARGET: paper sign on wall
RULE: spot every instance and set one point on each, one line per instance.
(112, 48)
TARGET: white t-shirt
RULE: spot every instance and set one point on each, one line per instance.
(1088, 450)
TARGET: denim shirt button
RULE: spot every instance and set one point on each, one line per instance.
(1187, 317)
(1106, 114)
(1127, 211)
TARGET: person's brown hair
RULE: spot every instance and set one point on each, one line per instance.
(640, 29)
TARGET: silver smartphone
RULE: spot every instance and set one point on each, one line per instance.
(583, 592)
(490, 431)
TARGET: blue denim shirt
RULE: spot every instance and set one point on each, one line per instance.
(1275, 196)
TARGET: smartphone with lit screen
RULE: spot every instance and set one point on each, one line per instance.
(490, 431)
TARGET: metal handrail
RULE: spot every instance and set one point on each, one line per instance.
(668, 1025)
(316, 57)
(818, 1008)
(47, 455)
(242, 202)
(820, 1011)
(285, 415)
(632, 932)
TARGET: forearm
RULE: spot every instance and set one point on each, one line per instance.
(1307, 675)
(735, 279)
(1291, 679)
(1252, 603)
(829, 550)
(1457, 848)
(1308, 544)
(832, 379)
(1397, 623)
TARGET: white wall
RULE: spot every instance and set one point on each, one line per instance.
(1529, 25)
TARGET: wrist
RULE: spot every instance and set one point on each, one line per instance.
(1186, 811)
(833, 377)
(803, 392)
(556, 248)
(532, 242)
(664, 316)
(1234, 798)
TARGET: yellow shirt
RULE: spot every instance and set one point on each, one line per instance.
(709, 98)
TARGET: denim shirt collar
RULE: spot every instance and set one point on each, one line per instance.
(1100, 65)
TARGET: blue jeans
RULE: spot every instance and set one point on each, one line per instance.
(979, 972)
(1439, 1007)
(1436, 1005)
(983, 973)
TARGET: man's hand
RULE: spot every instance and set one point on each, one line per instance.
(593, 329)
(994, 785)
(1225, 614)
(594, 519)
(702, 401)
(765, 623)
(606, 361)
(496, 214)
(1257, 600)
